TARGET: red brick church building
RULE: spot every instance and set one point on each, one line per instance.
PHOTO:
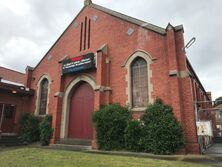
(105, 57)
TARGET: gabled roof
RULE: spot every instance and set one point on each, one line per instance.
(12, 75)
(138, 22)
(124, 17)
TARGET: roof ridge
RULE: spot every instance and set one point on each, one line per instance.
(93, 4)
(131, 19)
(150, 26)
(12, 70)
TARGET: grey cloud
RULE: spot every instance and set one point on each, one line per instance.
(31, 33)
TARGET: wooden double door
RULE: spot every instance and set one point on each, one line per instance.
(80, 115)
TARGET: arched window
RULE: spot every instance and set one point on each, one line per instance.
(43, 96)
(139, 83)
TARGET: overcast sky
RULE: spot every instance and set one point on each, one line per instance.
(29, 27)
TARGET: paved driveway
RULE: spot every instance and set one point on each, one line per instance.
(214, 150)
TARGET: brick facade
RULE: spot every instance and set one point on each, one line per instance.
(170, 78)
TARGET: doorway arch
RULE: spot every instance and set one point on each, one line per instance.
(64, 133)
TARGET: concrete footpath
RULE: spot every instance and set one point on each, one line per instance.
(215, 150)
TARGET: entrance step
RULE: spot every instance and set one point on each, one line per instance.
(72, 144)
(82, 142)
(70, 147)
(10, 140)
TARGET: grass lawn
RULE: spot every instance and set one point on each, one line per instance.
(36, 157)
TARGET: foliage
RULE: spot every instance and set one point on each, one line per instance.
(46, 130)
(218, 101)
(111, 122)
(157, 132)
(29, 127)
(133, 136)
(162, 134)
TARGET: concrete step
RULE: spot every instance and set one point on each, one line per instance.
(70, 147)
(14, 143)
(67, 141)
(11, 144)
(8, 135)
(10, 140)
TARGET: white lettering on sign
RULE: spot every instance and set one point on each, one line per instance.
(77, 63)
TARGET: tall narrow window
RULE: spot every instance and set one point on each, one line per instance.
(43, 96)
(139, 81)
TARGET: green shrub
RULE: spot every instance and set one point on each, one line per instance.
(157, 132)
(133, 136)
(162, 134)
(46, 130)
(29, 127)
(111, 122)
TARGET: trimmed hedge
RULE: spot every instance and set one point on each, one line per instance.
(133, 135)
(157, 132)
(29, 127)
(46, 130)
(111, 122)
(33, 128)
(162, 134)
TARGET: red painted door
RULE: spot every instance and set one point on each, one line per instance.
(81, 108)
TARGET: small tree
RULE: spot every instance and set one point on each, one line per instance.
(162, 134)
(46, 130)
(29, 127)
(218, 101)
(111, 122)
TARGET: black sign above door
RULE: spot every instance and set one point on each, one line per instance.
(78, 64)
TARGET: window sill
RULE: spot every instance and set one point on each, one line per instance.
(139, 109)
(41, 116)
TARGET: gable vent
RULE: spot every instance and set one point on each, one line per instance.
(95, 18)
(130, 31)
(49, 57)
(85, 32)
(76, 25)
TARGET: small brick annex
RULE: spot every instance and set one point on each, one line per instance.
(116, 41)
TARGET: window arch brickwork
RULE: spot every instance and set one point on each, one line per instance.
(42, 97)
(131, 63)
(66, 101)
